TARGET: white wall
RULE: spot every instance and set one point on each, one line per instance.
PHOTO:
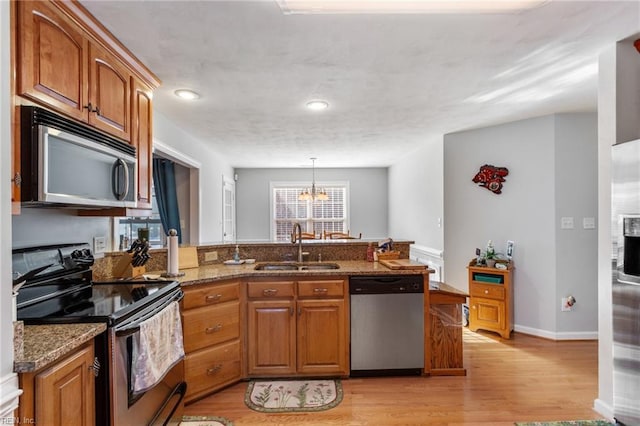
(544, 159)
(39, 226)
(576, 183)
(416, 196)
(8, 380)
(367, 192)
(606, 138)
(214, 166)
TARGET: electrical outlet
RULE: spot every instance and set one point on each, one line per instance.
(564, 305)
(210, 256)
(99, 244)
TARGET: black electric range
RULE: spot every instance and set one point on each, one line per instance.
(57, 288)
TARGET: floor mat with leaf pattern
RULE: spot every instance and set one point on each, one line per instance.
(281, 396)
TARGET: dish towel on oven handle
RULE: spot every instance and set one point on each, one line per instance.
(156, 348)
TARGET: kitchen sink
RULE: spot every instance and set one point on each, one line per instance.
(288, 266)
(318, 266)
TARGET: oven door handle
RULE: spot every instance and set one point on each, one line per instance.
(134, 327)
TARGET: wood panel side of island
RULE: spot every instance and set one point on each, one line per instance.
(445, 324)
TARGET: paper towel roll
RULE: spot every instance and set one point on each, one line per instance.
(172, 248)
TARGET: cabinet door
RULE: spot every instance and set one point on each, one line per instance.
(52, 59)
(142, 139)
(109, 93)
(322, 337)
(65, 392)
(271, 337)
(487, 314)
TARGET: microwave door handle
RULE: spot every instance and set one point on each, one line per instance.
(115, 181)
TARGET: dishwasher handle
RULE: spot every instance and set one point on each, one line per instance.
(386, 285)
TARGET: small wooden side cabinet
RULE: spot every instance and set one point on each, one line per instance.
(491, 299)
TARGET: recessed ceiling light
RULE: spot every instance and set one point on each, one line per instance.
(187, 94)
(317, 105)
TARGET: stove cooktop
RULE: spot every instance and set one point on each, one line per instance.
(108, 302)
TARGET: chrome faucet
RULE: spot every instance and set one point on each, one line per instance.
(297, 227)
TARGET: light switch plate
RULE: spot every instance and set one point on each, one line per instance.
(566, 222)
(589, 222)
(99, 244)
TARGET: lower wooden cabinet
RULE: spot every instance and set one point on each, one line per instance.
(271, 334)
(61, 394)
(211, 323)
(491, 299)
(212, 368)
(321, 337)
(297, 328)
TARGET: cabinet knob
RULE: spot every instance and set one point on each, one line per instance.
(270, 291)
(214, 370)
(95, 367)
(486, 292)
(17, 179)
(89, 107)
(320, 290)
(213, 298)
(213, 329)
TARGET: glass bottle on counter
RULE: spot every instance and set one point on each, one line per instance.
(370, 251)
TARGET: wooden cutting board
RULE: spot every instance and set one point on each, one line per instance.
(401, 264)
(187, 257)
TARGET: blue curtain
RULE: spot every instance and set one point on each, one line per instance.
(164, 180)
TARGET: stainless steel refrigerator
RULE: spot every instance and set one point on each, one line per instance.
(626, 281)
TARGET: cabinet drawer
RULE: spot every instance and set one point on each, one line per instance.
(321, 288)
(270, 289)
(212, 368)
(210, 294)
(208, 326)
(487, 290)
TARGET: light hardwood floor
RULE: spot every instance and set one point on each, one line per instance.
(521, 379)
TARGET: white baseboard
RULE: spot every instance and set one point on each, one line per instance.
(563, 335)
(603, 408)
(9, 393)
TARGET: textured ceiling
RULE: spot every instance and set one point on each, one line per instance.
(394, 82)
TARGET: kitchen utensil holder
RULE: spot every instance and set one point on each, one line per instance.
(124, 269)
(388, 255)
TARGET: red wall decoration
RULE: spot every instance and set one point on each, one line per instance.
(491, 177)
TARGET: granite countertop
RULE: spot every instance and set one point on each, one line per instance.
(215, 272)
(44, 344)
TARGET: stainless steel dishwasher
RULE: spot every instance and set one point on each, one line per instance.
(387, 325)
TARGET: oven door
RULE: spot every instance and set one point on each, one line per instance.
(159, 405)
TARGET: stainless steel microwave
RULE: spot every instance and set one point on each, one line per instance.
(66, 163)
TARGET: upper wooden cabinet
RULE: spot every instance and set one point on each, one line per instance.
(109, 94)
(65, 60)
(142, 138)
(60, 65)
(53, 59)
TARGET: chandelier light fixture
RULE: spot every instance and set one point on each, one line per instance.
(314, 194)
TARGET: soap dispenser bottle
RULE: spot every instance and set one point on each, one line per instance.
(236, 254)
